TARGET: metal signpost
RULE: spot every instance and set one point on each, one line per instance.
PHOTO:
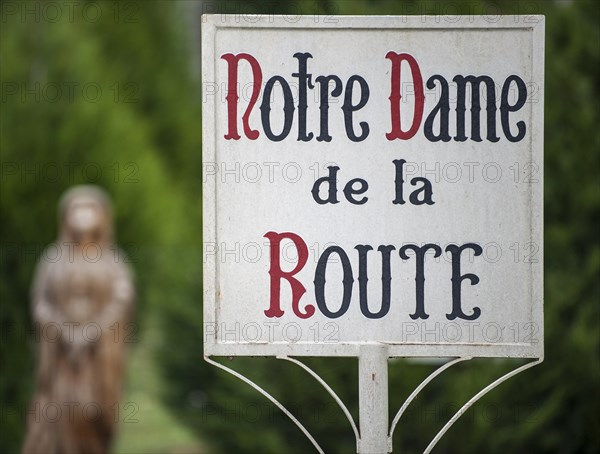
(373, 188)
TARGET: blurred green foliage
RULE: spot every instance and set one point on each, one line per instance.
(143, 132)
(102, 96)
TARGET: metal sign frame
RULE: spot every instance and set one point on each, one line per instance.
(375, 432)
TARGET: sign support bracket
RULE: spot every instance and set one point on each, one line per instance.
(373, 436)
(417, 390)
(271, 398)
(373, 398)
(331, 392)
(476, 397)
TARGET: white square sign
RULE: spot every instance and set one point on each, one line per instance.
(375, 180)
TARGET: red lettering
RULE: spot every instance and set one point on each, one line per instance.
(233, 98)
(395, 95)
(277, 274)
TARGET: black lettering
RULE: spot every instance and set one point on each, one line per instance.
(331, 180)
(348, 281)
(457, 279)
(386, 279)
(349, 108)
(323, 81)
(304, 83)
(349, 191)
(425, 189)
(443, 108)
(420, 274)
(288, 109)
(506, 108)
(461, 82)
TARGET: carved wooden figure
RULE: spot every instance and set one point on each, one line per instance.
(82, 301)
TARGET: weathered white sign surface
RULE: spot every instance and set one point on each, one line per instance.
(373, 180)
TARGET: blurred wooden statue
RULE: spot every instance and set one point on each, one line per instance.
(82, 301)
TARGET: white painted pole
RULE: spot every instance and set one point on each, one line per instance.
(373, 399)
